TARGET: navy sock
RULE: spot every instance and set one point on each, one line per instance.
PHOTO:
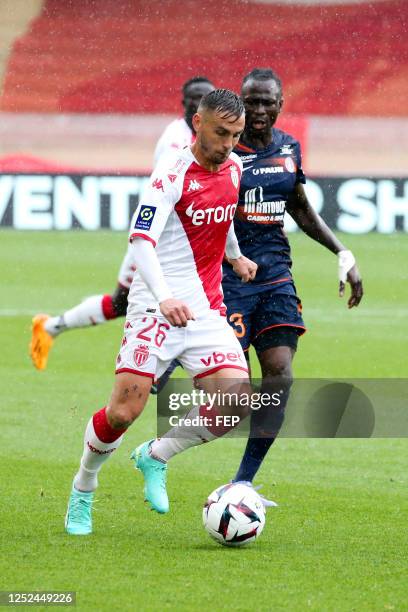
(254, 454)
(265, 426)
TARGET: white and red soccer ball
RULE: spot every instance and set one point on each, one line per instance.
(234, 514)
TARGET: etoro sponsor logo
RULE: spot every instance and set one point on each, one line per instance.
(216, 358)
(141, 354)
(219, 214)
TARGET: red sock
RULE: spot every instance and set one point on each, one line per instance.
(103, 430)
(108, 308)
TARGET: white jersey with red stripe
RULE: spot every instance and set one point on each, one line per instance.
(176, 136)
(186, 212)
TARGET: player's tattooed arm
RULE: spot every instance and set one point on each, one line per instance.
(300, 209)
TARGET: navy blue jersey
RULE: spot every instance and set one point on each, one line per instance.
(268, 179)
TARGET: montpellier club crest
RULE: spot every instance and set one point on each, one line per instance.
(141, 354)
(289, 164)
(234, 176)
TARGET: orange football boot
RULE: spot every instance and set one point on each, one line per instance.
(41, 342)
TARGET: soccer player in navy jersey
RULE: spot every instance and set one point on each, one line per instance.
(267, 311)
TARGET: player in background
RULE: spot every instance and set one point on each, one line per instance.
(179, 233)
(267, 312)
(98, 309)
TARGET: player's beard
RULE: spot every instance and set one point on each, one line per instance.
(215, 157)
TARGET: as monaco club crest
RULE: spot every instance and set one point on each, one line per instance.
(234, 176)
(141, 354)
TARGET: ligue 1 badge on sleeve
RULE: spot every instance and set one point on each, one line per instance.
(234, 177)
(145, 217)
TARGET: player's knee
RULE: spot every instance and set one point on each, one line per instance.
(279, 368)
(125, 405)
(121, 415)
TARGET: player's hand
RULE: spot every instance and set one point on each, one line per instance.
(349, 271)
(176, 312)
(245, 268)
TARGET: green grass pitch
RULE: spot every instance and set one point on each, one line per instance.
(338, 540)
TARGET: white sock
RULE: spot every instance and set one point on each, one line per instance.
(182, 437)
(89, 312)
(94, 456)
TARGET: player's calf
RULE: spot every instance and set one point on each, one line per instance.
(129, 396)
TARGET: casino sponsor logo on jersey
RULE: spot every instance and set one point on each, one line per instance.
(256, 210)
(234, 177)
(141, 354)
(219, 214)
(145, 217)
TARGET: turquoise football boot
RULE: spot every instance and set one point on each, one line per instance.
(78, 520)
(154, 473)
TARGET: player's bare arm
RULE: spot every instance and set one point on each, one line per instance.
(245, 268)
(300, 209)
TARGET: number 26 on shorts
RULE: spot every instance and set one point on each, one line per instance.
(154, 331)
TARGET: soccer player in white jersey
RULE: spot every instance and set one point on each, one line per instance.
(98, 309)
(179, 233)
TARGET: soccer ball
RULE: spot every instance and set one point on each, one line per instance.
(234, 515)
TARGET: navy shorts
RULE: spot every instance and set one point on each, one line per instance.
(272, 317)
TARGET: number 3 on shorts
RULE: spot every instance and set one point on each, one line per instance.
(239, 327)
(145, 332)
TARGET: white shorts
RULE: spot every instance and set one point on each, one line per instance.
(206, 345)
(127, 269)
